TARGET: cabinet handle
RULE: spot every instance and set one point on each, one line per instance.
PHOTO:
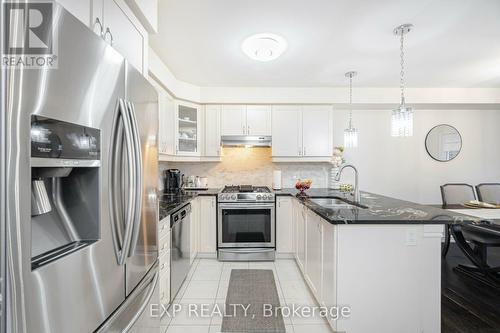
(248, 129)
(300, 151)
(98, 22)
(244, 130)
(110, 35)
(305, 153)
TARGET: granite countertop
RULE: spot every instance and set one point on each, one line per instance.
(379, 209)
(169, 203)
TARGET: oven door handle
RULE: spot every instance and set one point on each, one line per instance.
(247, 206)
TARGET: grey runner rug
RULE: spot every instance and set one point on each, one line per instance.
(254, 290)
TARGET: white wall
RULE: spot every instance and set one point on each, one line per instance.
(400, 167)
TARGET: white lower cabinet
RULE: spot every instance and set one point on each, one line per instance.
(164, 260)
(194, 229)
(300, 232)
(208, 225)
(314, 248)
(351, 267)
(328, 294)
(284, 226)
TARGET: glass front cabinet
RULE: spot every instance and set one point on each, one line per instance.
(188, 129)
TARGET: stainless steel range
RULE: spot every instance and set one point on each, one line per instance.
(246, 225)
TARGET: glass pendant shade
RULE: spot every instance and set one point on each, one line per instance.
(351, 137)
(350, 133)
(402, 117)
(402, 121)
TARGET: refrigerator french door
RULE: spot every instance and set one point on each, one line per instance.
(113, 275)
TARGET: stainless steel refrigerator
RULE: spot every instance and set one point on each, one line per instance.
(79, 191)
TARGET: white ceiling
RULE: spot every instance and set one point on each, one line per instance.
(455, 43)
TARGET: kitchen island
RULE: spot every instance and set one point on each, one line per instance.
(382, 259)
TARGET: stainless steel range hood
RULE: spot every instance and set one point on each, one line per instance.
(246, 141)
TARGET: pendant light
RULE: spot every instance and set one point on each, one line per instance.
(350, 133)
(402, 117)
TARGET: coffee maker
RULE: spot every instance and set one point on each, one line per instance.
(173, 180)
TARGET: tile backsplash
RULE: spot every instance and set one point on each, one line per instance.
(251, 166)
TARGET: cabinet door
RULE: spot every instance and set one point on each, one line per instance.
(233, 120)
(168, 124)
(127, 38)
(284, 225)
(166, 127)
(313, 252)
(194, 228)
(81, 9)
(317, 132)
(301, 238)
(329, 262)
(188, 129)
(287, 131)
(212, 130)
(208, 225)
(258, 120)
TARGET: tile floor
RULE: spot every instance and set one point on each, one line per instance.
(208, 281)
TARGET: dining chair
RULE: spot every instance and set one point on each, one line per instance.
(489, 192)
(454, 195)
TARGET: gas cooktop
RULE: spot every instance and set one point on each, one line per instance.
(246, 193)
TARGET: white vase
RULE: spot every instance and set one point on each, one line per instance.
(333, 183)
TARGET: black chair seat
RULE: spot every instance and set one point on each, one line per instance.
(481, 235)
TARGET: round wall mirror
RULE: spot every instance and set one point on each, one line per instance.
(443, 143)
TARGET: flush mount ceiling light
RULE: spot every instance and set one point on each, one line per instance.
(402, 117)
(350, 133)
(264, 47)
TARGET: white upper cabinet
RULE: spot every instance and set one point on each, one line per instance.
(188, 120)
(81, 9)
(302, 132)
(147, 12)
(258, 120)
(212, 130)
(233, 120)
(123, 32)
(317, 132)
(287, 130)
(166, 126)
(246, 120)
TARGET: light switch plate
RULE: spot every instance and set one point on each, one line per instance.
(411, 237)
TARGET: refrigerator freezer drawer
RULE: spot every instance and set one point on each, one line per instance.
(134, 314)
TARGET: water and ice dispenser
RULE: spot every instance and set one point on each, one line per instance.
(65, 176)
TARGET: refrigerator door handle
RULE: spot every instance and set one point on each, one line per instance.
(139, 180)
(116, 152)
(121, 127)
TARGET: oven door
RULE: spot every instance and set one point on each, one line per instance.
(246, 225)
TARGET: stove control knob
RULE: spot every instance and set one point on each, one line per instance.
(260, 197)
(233, 197)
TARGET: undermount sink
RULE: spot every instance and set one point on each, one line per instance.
(334, 203)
